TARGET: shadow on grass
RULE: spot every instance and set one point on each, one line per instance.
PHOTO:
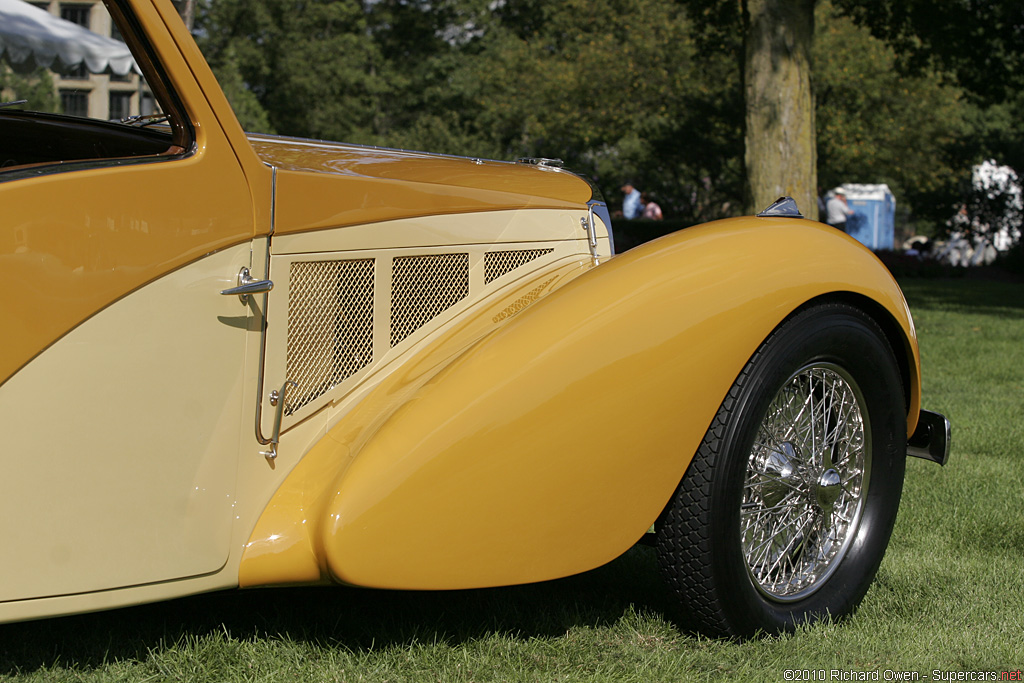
(966, 295)
(354, 619)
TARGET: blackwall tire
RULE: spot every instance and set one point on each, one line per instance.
(787, 507)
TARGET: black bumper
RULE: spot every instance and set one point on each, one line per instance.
(931, 438)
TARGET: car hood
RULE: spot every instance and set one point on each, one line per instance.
(326, 184)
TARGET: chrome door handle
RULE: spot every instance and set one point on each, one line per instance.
(247, 286)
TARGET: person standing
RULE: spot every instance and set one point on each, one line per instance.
(652, 211)
(631, 205)
(838, 210)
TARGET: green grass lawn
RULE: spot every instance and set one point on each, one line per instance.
(949, 595)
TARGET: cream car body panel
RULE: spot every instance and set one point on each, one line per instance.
(496, 227)
(418, 394)
(121, 461)
(390, 298)
(104, 499)
(504, 441)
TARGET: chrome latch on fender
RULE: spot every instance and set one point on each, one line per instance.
(588, 224)
(277, 399)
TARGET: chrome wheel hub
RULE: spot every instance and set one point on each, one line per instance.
(805, 483)
(829, 486)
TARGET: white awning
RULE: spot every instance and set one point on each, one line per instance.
(27, 31)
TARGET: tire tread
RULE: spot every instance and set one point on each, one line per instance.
(686, 529)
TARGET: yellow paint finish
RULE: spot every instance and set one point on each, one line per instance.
(280, 344)
(548, 447)
(491, 231)
(73, 242)
(326, 185)
(194, 81)
(121, 442)
(285, 546)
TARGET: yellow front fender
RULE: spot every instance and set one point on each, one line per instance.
(551, 445)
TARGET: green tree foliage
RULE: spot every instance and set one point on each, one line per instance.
(980, 42)
(877, 124)
(356, 70)
(643, 90)
(613, 87)
(251, 114)
(34, 85)
(309, 64)
(976, 45)
(616, 90)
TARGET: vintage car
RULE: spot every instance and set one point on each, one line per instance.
(237, 360)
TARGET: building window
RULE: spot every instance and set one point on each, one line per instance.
(76, 14)
(120, 105)
(147, 104)
(75, 102)
(79, 72)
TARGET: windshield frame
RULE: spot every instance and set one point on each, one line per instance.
(178, 130)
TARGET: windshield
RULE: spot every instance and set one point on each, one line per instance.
(71, 90)
(69, 58)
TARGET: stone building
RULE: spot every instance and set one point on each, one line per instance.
(101, 96)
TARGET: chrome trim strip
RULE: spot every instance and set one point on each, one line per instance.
(277, 399)
(273, 203)
(540, 161)
(263, 329)
(271, 137)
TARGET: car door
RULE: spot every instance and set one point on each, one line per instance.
(122, 364)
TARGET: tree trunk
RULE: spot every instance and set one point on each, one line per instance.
(781, 155)
(187, 11)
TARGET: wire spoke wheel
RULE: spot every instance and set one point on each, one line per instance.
(805, 483)
(787, 506)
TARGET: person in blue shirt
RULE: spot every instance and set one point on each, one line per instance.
(631, 204)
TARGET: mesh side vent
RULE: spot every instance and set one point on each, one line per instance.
(423, 287)
(330, 326)
(498, 263)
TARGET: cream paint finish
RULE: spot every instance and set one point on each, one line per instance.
(120, 466)
(474, 234)
(528, 225)
(431, 481)
(122, 547)
(360, 411)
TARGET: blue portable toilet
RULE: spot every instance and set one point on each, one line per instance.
(873, 222)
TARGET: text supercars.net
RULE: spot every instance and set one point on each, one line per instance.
(816, 675)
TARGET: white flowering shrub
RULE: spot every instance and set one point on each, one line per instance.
(993, 210)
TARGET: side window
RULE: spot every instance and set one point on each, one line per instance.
(72, 90)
